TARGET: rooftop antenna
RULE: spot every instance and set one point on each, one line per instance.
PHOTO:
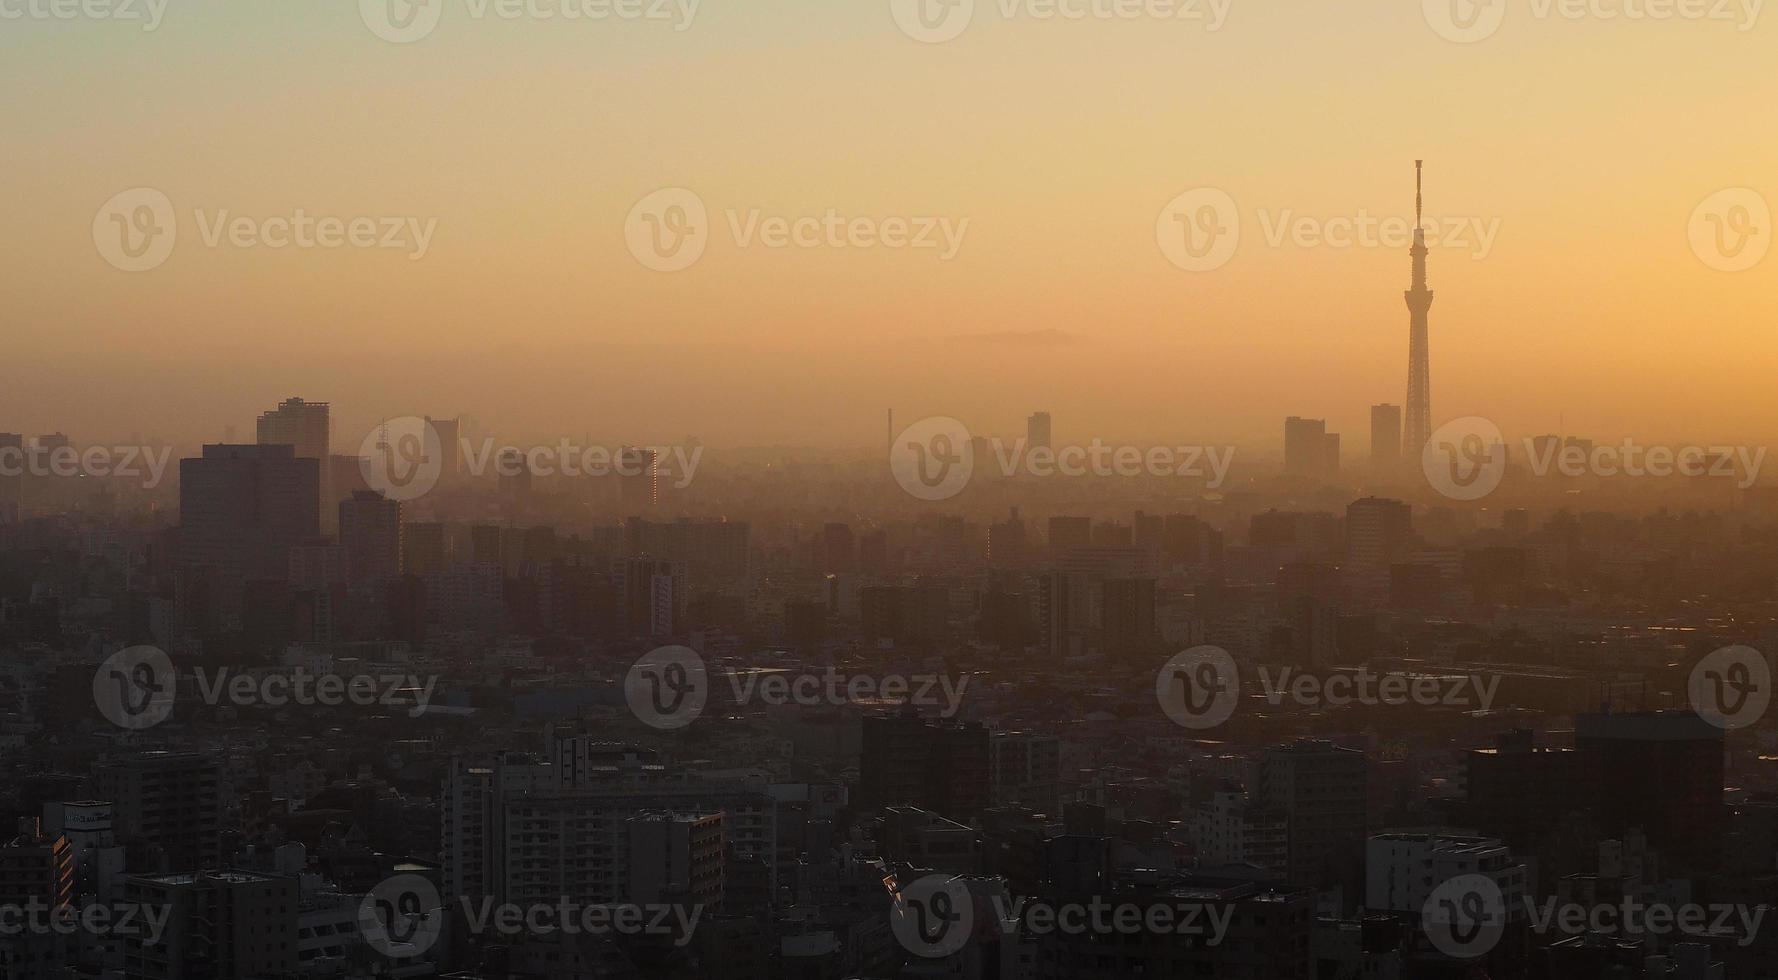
(1418, 167)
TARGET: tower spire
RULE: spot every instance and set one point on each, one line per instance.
(1418, 165)
(1417, 431)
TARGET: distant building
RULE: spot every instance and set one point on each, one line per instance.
(1305, 446)
(370, 531)
(1386, 440)
(1038, 434)
(241, 510)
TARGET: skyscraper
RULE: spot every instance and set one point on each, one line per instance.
(297, 423)
(241, 510)
(1386, 439)
(370, 531)
(1037, 431)
(1418, 431)
(1305, 446)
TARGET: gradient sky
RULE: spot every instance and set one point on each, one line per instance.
(1590, 142)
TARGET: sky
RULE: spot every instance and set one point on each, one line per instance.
(1570, 150)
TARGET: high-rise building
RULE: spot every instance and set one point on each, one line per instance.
(166, 807)
(639, 479)
(219, 924)
(937, 766)
(241, 510)
(1331, 444)
(1070, 533)
(370, 531)
(1323, 791)
(450, 447)
(1127, 616)
(1305, 446)
(1417, 431)
(1378, 532)
(1661, 771)
(299, 424)
(1037, 431)
(423, 548)
(1386, 440)
(12, 475)
(654, 596)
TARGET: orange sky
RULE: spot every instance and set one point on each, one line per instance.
(1585, 143)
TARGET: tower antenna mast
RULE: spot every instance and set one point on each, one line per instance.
(1418, 164)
